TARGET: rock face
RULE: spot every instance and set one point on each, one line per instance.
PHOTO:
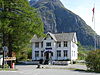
(58, 19)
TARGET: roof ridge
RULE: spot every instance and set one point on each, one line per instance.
(64, 33)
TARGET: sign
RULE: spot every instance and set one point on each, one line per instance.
(9, 58)
(5, 48)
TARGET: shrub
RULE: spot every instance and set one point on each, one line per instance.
(6, 66)
(93, 61)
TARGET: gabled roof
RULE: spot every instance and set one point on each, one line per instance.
(64, 36)
(56, 37)
(36, 39)
(52, 35)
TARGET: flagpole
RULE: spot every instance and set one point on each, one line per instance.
(94, 35)
(94, 27)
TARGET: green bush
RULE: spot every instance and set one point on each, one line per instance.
(93, 61)
(0, 66)
(6, 66)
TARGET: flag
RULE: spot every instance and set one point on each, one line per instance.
(93, 10)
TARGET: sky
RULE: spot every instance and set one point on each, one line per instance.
(83, 8)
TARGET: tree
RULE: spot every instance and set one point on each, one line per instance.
(18, 23)
(25, 53)
(93, 61)
(81, 52)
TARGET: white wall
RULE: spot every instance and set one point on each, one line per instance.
(36, 49)
(53, 44)
(74, 51)
(62, 48)
(72, 47)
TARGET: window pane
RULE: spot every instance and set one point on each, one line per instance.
(65, 53)
(58, 53)
(58, 44)
(74, 53)
(36, 53)
(41, 53)
(65, 43)
(41, 44)
(48, 44)
(36, 44)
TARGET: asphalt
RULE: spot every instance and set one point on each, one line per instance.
(55, 70)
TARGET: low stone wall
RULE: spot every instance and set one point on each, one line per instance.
(60, 62)
(35, 62)
(53, 62)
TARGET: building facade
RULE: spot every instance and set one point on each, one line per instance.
(55, 47)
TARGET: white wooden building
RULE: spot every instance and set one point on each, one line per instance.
(55, 47)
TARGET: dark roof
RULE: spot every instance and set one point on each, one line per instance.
(56, 37)
(36, 39)
(64, 36)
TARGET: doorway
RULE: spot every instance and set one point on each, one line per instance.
(48, 57)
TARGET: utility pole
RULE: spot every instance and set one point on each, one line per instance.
(3, 38)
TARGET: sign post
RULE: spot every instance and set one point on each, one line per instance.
(5, 51)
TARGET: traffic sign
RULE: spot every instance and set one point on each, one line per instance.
(5, 48)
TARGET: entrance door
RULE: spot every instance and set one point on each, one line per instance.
(48, 55)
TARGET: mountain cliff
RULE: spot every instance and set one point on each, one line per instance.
(58, 19)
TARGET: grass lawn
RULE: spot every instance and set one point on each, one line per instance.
(7, 69)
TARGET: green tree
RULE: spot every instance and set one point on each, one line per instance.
(18, 23)
(81, 52)
(25, 53)
(93, 60)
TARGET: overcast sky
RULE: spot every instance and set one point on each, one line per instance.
(83, 8)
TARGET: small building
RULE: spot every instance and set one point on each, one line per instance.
(55, 47)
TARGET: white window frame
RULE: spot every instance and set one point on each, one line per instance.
(65, 43)
(36, 54)
(58, 44)
(36, 44)
(65, 52)
(48, 43)
(58, 53)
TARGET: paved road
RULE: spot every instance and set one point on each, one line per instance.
(31, 70)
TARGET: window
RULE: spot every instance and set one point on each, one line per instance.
(58, 53)
(48, 44)
(36, 53)
(65, 53)
(36, 44)
(41, 53)
(41, 44)
(73, 45)
(58, 44)
(74, 53)
(65, 43)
